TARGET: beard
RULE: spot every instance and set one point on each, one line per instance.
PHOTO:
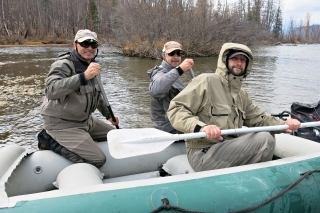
(236, 71)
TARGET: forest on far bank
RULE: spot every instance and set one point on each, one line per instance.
(141, 27)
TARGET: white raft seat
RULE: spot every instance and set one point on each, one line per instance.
(79, 174)
(174, 166)
(178, 165)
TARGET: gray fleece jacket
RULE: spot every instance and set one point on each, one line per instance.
(164, 85)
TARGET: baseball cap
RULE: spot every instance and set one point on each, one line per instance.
(171, 46)
(86, 34)
(238, 53)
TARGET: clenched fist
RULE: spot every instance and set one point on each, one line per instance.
(92, 71)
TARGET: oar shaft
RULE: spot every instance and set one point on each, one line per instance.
(191, 73)
(251, 129)
(106, 100)
(176, 137)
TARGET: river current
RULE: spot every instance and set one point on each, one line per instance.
(281, 75)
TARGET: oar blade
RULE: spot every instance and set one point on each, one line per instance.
(124, 143)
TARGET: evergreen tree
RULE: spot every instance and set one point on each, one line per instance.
(278, 23)
(93, 16)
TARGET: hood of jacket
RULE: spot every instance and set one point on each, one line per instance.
(233, 82)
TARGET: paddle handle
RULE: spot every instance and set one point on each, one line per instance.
(177, 137)
(191, 73)
(106, 100)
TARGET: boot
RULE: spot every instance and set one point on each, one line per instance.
(46, 142)
(43, 140)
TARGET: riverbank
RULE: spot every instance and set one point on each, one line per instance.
(36, 44)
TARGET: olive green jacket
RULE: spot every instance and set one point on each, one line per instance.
(217, 99)
(67, 102)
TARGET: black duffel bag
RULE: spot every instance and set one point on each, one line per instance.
(307, 113)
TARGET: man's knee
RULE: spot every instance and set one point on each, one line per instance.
(265, 137)
(269, 139)
(268, 145)
(98, 159)
(71, 156)
(99, 163)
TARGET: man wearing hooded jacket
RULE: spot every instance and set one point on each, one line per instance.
(216, 101)
(72, 94)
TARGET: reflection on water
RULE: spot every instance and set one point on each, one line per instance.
(281, 75)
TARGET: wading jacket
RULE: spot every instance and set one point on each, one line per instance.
(69, 99)
(217, 99)
(164, 85)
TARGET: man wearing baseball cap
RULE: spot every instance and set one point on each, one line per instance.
(215, 101)
(165, 83)
(72, 94)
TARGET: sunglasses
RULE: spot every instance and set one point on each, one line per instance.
(178, 52)
(86, 44)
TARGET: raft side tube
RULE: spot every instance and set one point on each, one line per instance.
(42, 168)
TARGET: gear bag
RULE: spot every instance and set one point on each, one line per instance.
(307, 113)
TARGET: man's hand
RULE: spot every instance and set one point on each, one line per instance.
(187, 64)
(293, 124)
(92, 71)
(116, 122)
(212, 131)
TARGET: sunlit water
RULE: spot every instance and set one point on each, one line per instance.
(281, 75)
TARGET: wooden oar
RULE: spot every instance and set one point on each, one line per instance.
(104, 96)
(125, 143)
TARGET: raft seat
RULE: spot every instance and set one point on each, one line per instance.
(174, 166)
(178, 165)
(78, 175)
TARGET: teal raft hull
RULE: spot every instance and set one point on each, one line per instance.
(213, 191)
(280, 181)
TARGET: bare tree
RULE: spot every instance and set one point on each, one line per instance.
(315, 33)
(4, 19)
(292, 34)
(307, 27)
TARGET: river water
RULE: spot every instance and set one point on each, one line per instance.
(281, 75)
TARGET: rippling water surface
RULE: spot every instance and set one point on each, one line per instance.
(281, 75)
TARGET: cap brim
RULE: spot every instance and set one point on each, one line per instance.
(172, 49)
(238, 53)
(87, 38)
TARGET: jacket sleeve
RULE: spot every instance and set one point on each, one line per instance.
(256, 117)
(161, 82)
(60, 81)
(183, 109)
